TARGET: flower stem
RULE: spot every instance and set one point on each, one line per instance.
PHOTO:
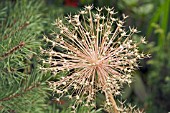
(115, 108)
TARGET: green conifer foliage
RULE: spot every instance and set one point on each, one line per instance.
(22, 85)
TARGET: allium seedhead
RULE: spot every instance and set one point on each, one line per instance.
(97, 51)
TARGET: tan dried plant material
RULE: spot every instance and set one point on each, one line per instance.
(99, 52)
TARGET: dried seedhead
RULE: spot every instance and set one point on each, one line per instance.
(100, 53)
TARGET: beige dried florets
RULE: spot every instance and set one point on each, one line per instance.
(99, 52)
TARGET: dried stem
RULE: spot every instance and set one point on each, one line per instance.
(115, 108)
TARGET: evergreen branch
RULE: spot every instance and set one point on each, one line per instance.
(19, 94)
(21, 44)
(20, 28)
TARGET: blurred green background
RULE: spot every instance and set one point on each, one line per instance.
(151, 87)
